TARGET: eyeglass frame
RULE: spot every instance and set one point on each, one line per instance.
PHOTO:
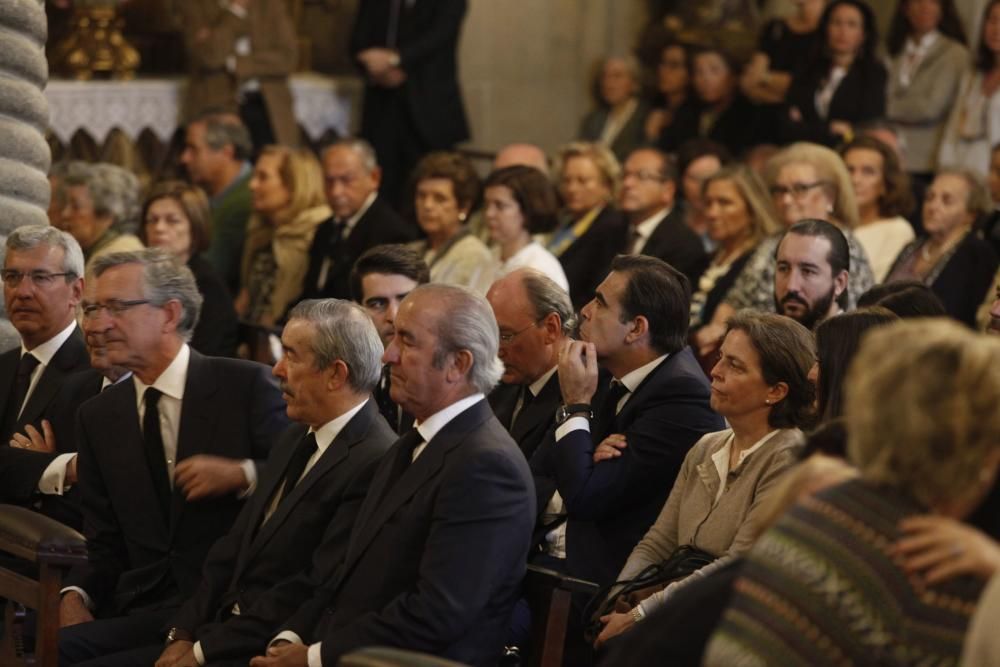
(506, 339)
(8, 276)
(115, 307)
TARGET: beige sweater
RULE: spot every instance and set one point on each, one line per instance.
(691, 515)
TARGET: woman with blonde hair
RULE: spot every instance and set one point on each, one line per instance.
(591, 230)
(922, 423)
(288, 202)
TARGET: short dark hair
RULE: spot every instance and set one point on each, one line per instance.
(786, 351)
(839, 257)
(897, 198)
(696, 148)
(985, 60)
(906, 298)
(392, 259)
(661, 294)
(534, 193)
(453, 167)
(837, 341)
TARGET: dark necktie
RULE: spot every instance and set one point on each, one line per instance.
(609, 408)
(306, 448)
(155, 456)
(384, 401)
(405, 447)
(525, 401)
(22, 380)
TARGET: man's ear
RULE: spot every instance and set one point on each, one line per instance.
(638, 330)
(840, 283)
(459, 365)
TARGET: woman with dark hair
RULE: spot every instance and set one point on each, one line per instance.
(844, 83)
(882, 190)
(951, 258)
(761, 386)
(927, 60)
(618, 121)
(673, 88)
(445, 189)
(837, 341)
(697, 160)
(176, 217)
(974, 125)
(719, 110)
(520, 201)
(906, 298)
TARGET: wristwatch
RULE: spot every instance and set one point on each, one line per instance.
(572, 410)
(178, 634)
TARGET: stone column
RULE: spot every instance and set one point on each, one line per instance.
(24, 115)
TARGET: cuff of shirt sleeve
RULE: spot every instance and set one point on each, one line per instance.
(288, 636)
(250, 472)
(53, 480)
(639, 612)
(199, 655)
(573, 424)
(315, 655)
(86, 598)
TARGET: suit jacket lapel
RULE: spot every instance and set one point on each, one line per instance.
(376, 509)
(197, 421)
(635, 399)
(66, 359)
(538, 411)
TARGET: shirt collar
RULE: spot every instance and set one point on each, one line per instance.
(721, 457)
(634, 378)
(353, 220)
(244, 173)
(429, 427)
(48, 349)
(923, 43)
(329, 431)
(171, 380)
(536, 387)
(646, 227)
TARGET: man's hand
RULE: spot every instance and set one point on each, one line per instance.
(283, 655)
(378, 61)
(178, 654)
(610, 447)
(35, 441)
(206, 476)
(578, 372)
(73, 611)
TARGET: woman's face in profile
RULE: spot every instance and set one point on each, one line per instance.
(268, 192)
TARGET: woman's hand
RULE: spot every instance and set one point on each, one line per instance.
(615, 623)
(943, 548)
(610, 447)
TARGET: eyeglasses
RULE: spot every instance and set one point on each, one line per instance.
(115, 307)
(643, 175)
(797, 190)
(506, 338)
(13, 278)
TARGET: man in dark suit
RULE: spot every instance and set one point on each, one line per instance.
(43, 284)
(657, 404)
(380, 280)
(536, 318)
(361, 219)
(165, 459)
(315, 480)
(440, 544)
(413, 104)
(656, 223)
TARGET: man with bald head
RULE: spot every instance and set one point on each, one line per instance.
(535, 317)
(361, 219)
(522, 154)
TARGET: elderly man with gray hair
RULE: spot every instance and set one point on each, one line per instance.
(536, 319)
(451, 506)
(165, 459)
(102, 208)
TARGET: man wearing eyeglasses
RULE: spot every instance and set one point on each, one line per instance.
(656, 223)
(165, 458)
(535, 318)
(42, 279)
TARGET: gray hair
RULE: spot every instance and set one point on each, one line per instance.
(165, 278)
(978, 200)
(114, 191)
(30, 237)
(466, 324)
(546, 296)
(225, 129)
(364, 150)
(343, 331)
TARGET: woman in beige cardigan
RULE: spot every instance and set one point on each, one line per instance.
(288, 203)
(761, 386)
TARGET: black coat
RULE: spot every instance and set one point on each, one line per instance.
(534, 420)
(217, 331)
(231, 408)
(587, 260)
(675, 243)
